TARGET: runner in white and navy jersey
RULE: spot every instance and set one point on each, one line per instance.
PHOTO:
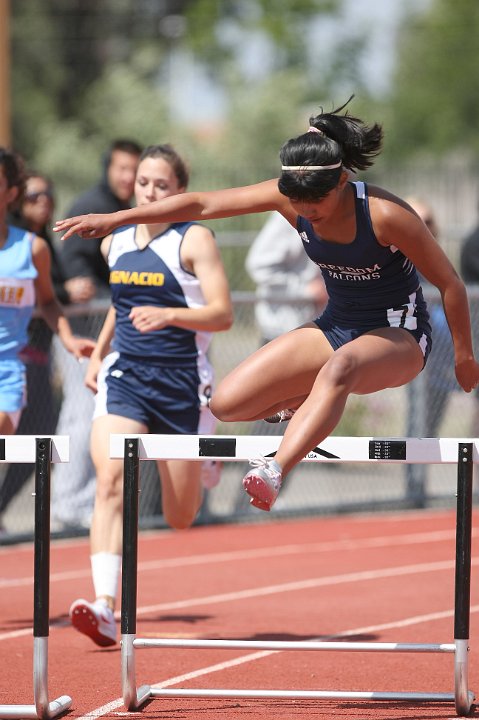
(374, 333)
(150, 369)
(24, 282)
(162, 378)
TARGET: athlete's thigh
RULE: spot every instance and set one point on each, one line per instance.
(383, 358)
(102, 426)
(285, 367)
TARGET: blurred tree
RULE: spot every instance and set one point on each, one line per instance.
(434, 104)
(85, 71)
(216, 28)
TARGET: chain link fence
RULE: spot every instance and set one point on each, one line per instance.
(432, 406)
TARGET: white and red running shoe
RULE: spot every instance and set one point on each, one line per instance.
(281, 416)
(263, 483)
(95, 620)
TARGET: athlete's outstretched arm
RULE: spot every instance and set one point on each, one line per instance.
(182, 208)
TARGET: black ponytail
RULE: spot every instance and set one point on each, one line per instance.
(340, 139)
(359, 143)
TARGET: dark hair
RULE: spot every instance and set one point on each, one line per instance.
(341, 139)
(32, 173)
(14, 171)
(169, 154)
(127, 146)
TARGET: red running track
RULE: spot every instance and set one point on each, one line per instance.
(387, 578)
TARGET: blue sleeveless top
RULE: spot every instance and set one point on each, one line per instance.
(154, 275)
(17, 291)
(365, 280)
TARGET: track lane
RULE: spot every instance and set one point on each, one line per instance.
(302, 579)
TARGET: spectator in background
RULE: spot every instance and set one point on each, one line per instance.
(469, 265)
(426, 409)
(470, 257)
(73, 491)
(25, 281)
(278, 265)
(439, 372)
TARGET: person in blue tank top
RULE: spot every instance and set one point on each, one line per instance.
(374, 332)
(150, 369)
(25, 283)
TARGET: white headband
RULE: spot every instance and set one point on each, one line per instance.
(311, 167)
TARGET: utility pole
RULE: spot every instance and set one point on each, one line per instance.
(5, 125)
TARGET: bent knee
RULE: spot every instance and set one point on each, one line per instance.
(109, 487)
(221, 407)
(341, 368)
(180, 519)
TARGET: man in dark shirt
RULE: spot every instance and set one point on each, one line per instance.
(87, 275)
(470, 257)
(114, 191)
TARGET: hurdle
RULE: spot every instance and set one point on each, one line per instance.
(134, 448)
(43, 451)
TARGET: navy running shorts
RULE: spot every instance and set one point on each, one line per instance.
(412, 316)
(165, 399)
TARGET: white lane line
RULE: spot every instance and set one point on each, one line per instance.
(362, 576)
(405, 622)
(276, 551)
(304, 585)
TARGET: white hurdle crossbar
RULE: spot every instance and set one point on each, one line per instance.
(134, 448)
(43, 451)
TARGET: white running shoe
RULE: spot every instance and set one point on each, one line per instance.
(263, 483)
(281, 416)
(95, 620)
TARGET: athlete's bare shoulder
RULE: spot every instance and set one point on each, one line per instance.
(383, 196)
(391, 215)
(386, 204)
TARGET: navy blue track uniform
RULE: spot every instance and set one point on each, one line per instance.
(369, 286)
(161, 378)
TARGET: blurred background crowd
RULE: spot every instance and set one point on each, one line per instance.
(84, 83)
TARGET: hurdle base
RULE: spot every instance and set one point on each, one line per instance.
(53, 709)
(461, 678)
(307, 694)
(133, 698)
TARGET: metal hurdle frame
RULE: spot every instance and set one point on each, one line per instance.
(134, 448)
(42, 451)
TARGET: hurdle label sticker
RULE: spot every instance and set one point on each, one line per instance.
(314, 454)
(219, 447)
(387, 450)
(2, 448)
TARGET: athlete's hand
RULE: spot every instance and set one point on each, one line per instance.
(91, 374)
(80, 347)
(147, 318)
(467, 374)
(86, 226)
